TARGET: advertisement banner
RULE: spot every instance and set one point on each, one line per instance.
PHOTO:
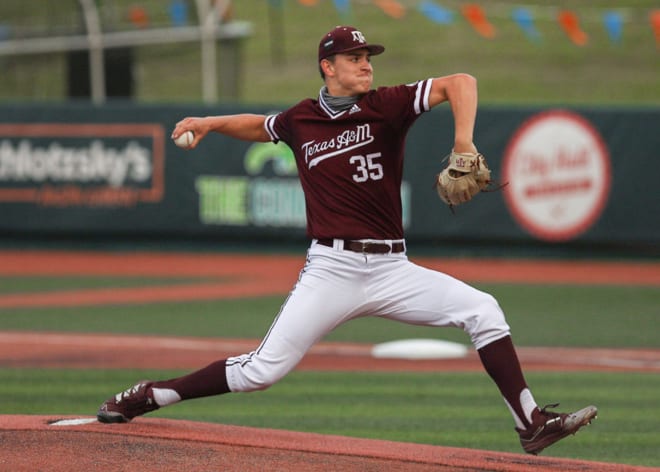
(570, 176)
(79, 164)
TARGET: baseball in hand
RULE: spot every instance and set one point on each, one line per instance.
(185, 140)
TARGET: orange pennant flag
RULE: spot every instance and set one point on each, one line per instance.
(477, 18)
(138, 16)
(570, 22)
(655, 24)
(308, 3)
(391, 8)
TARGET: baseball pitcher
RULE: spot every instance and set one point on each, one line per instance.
(349, 148)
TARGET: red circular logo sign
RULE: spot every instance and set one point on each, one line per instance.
(558, 170)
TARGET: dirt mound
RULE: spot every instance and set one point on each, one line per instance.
(40, 443)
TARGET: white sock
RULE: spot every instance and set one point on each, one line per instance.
(527, 404)
(165, 396)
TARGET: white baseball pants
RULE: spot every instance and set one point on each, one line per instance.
(336, 286)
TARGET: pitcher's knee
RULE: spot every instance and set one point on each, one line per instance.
(251, 372)
(487, 322)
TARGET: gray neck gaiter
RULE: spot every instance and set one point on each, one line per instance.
(338, 103)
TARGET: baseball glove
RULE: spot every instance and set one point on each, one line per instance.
(466, 175)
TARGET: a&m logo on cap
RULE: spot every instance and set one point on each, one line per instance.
(358, 36)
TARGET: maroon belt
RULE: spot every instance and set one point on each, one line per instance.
(366, 247)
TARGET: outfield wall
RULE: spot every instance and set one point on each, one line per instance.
(580, 177)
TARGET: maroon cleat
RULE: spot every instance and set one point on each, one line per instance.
(551, 427)
(128, 404)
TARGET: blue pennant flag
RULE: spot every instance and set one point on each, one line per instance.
(178, 13)
(436, 13)
(343, 7)
(614, 25)
(524, 18)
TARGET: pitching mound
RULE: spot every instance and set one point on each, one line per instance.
(40, 443)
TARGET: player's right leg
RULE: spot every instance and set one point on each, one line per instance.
(328, 293)
(325, 296)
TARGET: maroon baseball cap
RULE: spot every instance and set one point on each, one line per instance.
(345, 39)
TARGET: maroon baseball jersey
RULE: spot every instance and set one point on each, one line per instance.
(350, 163)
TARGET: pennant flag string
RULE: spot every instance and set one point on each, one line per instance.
(526, 17)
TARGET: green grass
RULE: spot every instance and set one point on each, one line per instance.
(449, 409)
(510, 68)
(555, 315)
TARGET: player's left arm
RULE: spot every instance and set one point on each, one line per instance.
(460, 90)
